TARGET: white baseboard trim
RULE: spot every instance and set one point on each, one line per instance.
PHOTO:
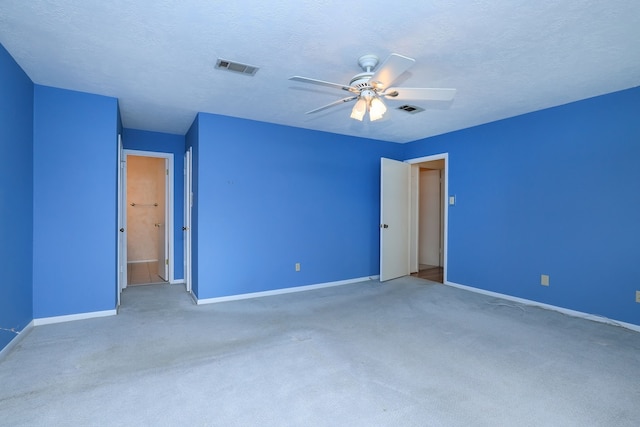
(16, 340)
(193, 297)
(71, 317)
(533, 303)
(280, 291)
(177, 282)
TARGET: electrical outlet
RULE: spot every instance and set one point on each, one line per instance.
(638, 296)
(544, 280)
(297, 266)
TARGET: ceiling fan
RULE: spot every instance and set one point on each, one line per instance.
(370, 87)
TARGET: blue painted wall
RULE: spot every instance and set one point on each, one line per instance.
(74, 226)
(554, 192)
(270, 196)
(133, 139)
(16, 197)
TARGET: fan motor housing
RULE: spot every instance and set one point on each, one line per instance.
(361, 81)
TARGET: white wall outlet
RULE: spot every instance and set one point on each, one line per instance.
(638, 296)
(452, 200)
(544, 280)
(297, 266)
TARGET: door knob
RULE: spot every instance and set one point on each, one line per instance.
(122, 230)
(384, 226)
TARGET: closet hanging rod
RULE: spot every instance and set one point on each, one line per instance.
(141, 204)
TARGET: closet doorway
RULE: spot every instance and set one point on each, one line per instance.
(428, 218)
(149, 221)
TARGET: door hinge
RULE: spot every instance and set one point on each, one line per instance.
(166, 261)
(167, 172)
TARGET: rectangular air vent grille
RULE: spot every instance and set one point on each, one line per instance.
(236, 67)
(411, 109)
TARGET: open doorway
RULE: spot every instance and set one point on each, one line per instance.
(428, 218)
(430, 233)
(147, 199)
(146, 220)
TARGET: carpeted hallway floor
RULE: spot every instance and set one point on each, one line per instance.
(402, 353)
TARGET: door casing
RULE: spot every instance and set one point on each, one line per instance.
(121, 262)
(188, 204)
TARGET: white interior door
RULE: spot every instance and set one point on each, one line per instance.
(161, 224)
(122, 219)
(162, 253)
(188, 204)
(394, 219)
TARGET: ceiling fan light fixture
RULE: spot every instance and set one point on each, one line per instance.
(368, 88)
(359, 109)
(376, 109)
(368, 95)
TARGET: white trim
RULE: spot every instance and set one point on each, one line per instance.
(142, 153)
(177, 282)
(194, 297)
(279, 291)
(16, 340)
(187, 220)
(121, 281)
(70, 317)
(445, 220)
(427, 158)
(533, 303)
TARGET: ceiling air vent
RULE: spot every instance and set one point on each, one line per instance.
(411, 109)
(236, 67)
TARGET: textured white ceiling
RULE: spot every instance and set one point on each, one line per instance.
(505, 57)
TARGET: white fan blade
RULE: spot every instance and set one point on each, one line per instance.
(391, 69)
(338, 102)
(417, 93)
(321, 83)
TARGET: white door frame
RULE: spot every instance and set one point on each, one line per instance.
(122, 222)
(445, 204)
(169, 191)
(188, 204)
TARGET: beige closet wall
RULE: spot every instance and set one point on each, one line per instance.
(145, 187)
(431, 213)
